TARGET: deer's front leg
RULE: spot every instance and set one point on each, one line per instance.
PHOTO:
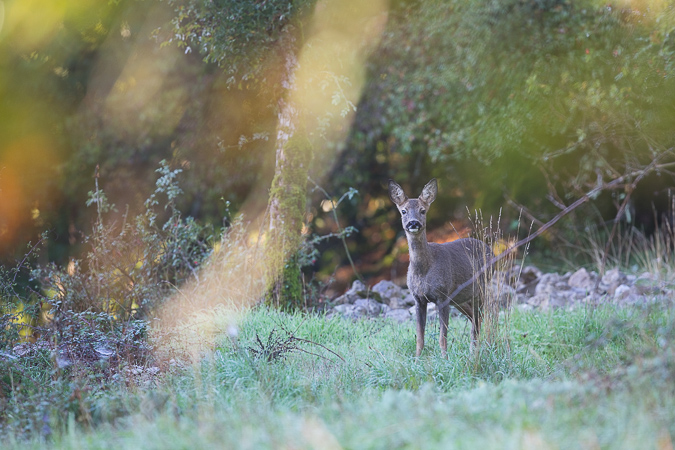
(421, 310)
(443, 317)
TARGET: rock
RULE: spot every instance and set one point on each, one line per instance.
(561, 286)
(344, 299)
(356, 292)
(560, 301)
(398, 315)
(538, 301)
(576, 294)
(533, 290)
(581, 279)
(528, 281)
(503, 293)
(529, 274)
(592, 299)
(612, 279)
(388, 291)
(546, 284)
(408, 298)
(621, 292)
(529, 288)
(393, 295)
(351, 295)
(632, 299)
(357, 286)
(522, 298)
(647, 284)
(401, 303)
(372, 307)
(350, 311)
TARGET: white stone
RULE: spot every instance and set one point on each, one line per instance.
(581, 279)
(621, 292)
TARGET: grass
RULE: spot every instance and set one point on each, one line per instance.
(586, 378)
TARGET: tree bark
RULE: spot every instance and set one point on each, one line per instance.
(287, 201)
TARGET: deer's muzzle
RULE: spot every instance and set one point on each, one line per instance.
(413, 226)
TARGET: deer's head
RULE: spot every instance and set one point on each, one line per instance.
(413, 210)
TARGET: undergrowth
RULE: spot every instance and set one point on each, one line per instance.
(84, 327)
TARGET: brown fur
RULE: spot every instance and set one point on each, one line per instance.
(436, 270)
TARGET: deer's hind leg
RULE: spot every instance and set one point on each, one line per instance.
(443, 318)
(468, 310)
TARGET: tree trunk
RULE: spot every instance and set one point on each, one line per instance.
(288, 193)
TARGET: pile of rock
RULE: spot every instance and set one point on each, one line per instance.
(551, 290)
(529, 289)
(385, 299)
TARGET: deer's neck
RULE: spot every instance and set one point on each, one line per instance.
(420, 255)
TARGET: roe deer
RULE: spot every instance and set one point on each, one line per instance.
(436, 270)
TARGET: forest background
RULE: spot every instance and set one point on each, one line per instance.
(522, 104)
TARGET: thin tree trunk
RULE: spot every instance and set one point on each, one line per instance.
(288, 191)
(287, 117)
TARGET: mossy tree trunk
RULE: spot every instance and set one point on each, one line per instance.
(288, 193)
(287, 207)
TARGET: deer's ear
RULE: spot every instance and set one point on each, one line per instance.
(396, 193)
(429, 192)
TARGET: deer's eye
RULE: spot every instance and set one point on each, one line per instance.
(423, 211)
(403, 211)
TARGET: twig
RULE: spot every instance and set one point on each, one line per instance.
(553, 196)
(532, 217)
(316, 343)
(18, 267)
(337, 222)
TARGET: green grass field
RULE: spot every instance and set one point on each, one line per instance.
(587, 378)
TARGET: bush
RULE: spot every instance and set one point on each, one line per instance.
(91, 318)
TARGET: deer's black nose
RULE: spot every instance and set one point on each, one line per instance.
(413, 226)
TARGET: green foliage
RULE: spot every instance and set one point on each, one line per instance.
(490, 92)
(239, 36)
